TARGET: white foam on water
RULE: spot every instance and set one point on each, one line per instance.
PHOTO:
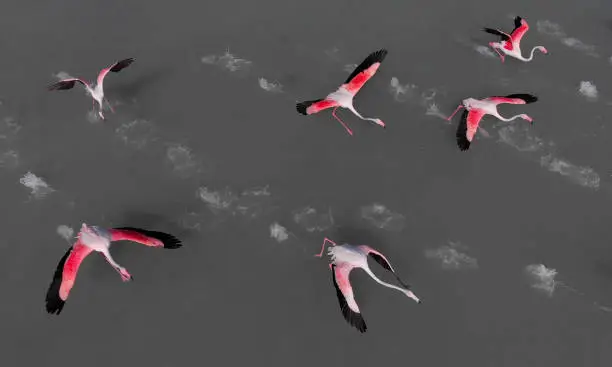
(583, 176)
(434, 110)
(273, 87)
(278, 232)
(182, 160)
(228, 61)
(9, 159)
(62, 75)
(350, 67)
(588, 90)
(9, 128)
(313, 221)
(451, 258)
(381, 217)
(65, 232)
(542, 278)
(520, 137)
(554, 30)
(401, 93)
(37, 185)
(217, 200)
(485, 51)
(137, 133)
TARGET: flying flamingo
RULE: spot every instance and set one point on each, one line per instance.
(510, 44)
(344, 259)
(343, 96)
(97, 92)
(94, 238)
(475, 109)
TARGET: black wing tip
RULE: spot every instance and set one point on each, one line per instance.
(169, 241)
(302, 107)
(462, 141)
(528, 98)
(122, 64)
(353, 318)
(54, 304)
(61, 85)
(379, 56)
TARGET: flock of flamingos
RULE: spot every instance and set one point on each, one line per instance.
(345, 257)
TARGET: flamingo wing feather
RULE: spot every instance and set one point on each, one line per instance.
(145, 237)
(364, 71)
(315, 106)
(346, 299)
(467, 128)
(64, 277)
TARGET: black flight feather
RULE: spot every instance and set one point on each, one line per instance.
(169, 241)
(462, 140)
(54, 303)
(373, 58)
(120, 65)
(528, 98)
(302, 106)
(352, 317)
(496, 32)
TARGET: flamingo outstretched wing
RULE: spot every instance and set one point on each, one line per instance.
(64, 277)
(467, 127)
(67, 84)
(115, 68)
(364, 71)
(385, 263)
(504, 36)
(520, 28)
(518, 98)
(145, 237)
(314, 106)
(346, 298)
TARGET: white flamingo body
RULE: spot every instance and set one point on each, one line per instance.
(344, 95)
(97, 91)
(510, 44)
(476, 109)
(344, 259)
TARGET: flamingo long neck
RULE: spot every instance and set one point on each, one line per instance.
(367, 270)
(530, 55)
(359, 115)
(508, 119)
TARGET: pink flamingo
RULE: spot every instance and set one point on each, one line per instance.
(97, 92)
(343, 96)
(475, 109)
(510, 44)
(94, 238)
(345, 258)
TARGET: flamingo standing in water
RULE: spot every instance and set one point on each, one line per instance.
(475, 109)
(510, 44)
(94, 238)
(346, 258)
(97, 92)
(343, 96)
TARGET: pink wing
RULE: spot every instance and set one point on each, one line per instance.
(518, 98)
(364, 71)
(64, 277)
(520, 28)
(145, 237)
(346, 299)
(467, 127)
(314, 106)
(115, 68)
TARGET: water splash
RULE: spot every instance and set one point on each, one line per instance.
(270, 86)
(380, 216)
(451, 258)
(584, 176)
(37, 185)
(542, 278)
(589, 90)
(278, 232)
(313, 221)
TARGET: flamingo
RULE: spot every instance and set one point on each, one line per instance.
(510, 44)
(94, 238)
(97, 91)
(343, 96)
(475, 109)
(344, 259)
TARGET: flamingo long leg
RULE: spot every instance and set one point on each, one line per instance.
(109, 105)
(325, 241)
(340, 121)
(499, 53)
(454, 113)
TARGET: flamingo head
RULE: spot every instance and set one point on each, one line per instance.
(409, 293)
(527, 118)
(542, 49)
(379, 122)
(93, 234)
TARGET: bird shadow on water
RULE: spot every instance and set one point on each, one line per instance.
(132, 89)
